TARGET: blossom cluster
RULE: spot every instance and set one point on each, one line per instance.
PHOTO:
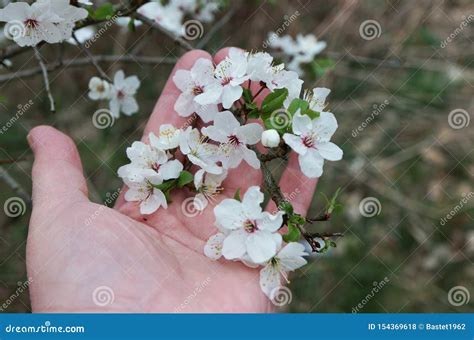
(243, 101)
(120, 94)
(171, 15)
(45, 20)
(299, 50)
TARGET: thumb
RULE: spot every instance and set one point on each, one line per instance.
(57, 171)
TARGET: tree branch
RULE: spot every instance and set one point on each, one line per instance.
(76, 62)
(44, 71)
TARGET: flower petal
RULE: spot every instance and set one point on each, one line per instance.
(301, 124)
(261, 246)
(233, 246)
(229, 214)
(270, 279)
(170, 169)
(311, 164)
(329, 151)
(295, 143)
(213, 247)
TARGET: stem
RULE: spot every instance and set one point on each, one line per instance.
(91, 58)
(45, 79)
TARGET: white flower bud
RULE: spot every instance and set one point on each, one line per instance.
(270, 138)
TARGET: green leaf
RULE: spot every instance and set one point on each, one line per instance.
(303, 106)
(286, 207)
(104, 12)
(237, 195)
(332, 244)
(247, 94)
(293, 234)
(166, 186)
(185, 177)
(298, 104)
(297, 219)
(273, 102)
(131, 24)
(254, 114)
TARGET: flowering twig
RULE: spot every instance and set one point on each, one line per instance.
(45, 79)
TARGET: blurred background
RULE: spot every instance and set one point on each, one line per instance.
(402, 80)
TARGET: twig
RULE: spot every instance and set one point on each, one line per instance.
(45, 79)
(181, 42)
(14, 185)
(76, 62)
(218, 25)
(91, 58)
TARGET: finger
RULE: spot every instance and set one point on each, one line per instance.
(57, 171)
(164, 112)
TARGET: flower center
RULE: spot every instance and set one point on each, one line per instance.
(155, 167)
(226, 80)
(120, 94)
(250, 226)
(308, 141)
(197, 90)
(233, 140)
(31, 23)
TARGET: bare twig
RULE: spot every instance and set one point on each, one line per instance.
(91, 58)
(14, 185)
(218, 25)
(44, 70)
(181, 42)
(76, 62)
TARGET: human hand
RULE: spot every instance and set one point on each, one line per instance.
(85, 257)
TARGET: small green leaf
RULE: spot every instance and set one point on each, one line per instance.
(166, 186)
(131, 24)
(237, 195)
(104, 12)
(297, 219)
(293, 234)
(247, 94)
(254, 114)
(332, 244)
(298, 104)
(185, 177)
(286, 207)
(273, 102)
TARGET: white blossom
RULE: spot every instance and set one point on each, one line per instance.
(123, 94)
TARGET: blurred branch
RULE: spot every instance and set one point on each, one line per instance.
(76, 62)
(44, 72)
(218, 25)
(181, 42)
(91, 58)
(13, 184)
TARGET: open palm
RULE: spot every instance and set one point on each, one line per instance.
(85, 257)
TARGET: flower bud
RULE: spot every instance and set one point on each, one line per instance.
(270, 138)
